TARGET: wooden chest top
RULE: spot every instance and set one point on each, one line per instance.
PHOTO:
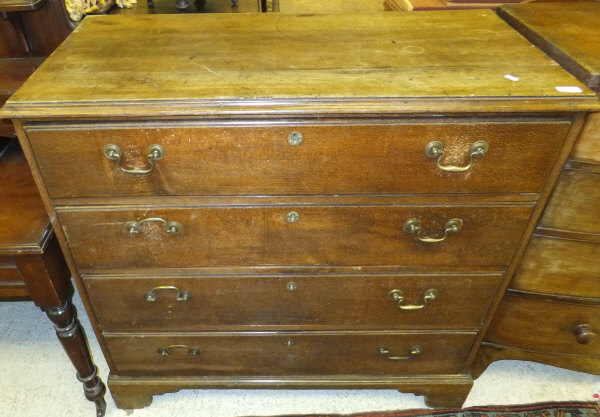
(568, 32)
(257, 64)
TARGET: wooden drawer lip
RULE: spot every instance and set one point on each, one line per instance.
(309, 353)
(559, 266)
(362, 235)
(543, 326)
(349, 302)
(332, 159)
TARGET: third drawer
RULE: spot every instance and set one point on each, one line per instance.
(246, 302)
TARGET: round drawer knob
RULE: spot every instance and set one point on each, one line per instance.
(584, 334)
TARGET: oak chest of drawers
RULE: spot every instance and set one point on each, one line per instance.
(295, 201)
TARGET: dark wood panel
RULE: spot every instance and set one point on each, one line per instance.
(289, 353)
(246, 302)
(545, 326)
(587, 147)
(559, 266)
(338, 159)
(323, 235)
(573, 204)
(30, 230)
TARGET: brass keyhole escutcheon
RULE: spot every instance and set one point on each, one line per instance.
(291, 286)
(292, 217)
(295, 138)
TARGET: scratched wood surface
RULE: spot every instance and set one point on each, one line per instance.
(568, 32)
(259, 63)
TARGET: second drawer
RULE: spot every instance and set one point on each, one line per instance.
(301, 235)
(360, 301)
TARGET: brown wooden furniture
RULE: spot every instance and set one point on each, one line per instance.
(551, 313)
(318, 201)
(29, 31)
(329, 6)
(201, 6)
(32, 265)
(427, 5)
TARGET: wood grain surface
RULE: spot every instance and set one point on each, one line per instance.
(324, 235)
(363, 63)
(566, 31)
(544, 325)
(342, 158)
(559, 266)
(291, 301)
(272, 354)
(574, 204)
(26, 226)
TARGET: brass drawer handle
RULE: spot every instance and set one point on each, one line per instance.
(398, 297)
(584, 334)
(134, 228)
(167, 351)
(414, 226)
(182, 295)
(435, 149)
(414, 351)
(153, 153)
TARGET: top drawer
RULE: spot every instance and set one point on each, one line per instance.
(317, 159)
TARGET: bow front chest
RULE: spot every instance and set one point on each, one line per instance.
(283, 201)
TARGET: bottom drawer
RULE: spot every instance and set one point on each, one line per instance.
(546, 326)
(291, 353)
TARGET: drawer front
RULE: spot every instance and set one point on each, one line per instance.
(290, 353)
(546, 326)
(306, 235)
(559, 266)
(574, 203)
(349, 159)
(344, 302)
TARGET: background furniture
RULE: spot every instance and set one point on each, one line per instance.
(29, 31)
(551, 312)
(197, 6)
(32, 265)
(308, 6)
(313, 210)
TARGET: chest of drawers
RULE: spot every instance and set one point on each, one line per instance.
(295, 201)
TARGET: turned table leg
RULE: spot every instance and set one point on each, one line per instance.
(48, 283)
